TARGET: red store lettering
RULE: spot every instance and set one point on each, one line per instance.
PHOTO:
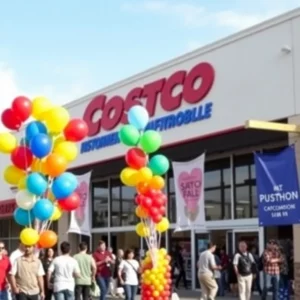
(115, 108)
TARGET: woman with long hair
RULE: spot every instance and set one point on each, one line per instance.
(47, 260)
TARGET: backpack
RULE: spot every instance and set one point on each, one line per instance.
(244, 265)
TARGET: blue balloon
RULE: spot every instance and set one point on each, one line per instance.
(34, 128)
(23, 217)
(43, 209)
(64, 185)
(138, 117)
(41, 145)
(36, 183)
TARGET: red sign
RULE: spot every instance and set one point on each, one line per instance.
(7, 208)
(113, 110)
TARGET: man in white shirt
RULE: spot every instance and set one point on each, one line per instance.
(64, 268)
(244, 264)
(206, 267)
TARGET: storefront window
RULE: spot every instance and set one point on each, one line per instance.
(171, 198)
(128, 206)
(245, 187)
(100, 196)
(96, 237)
(125, 240)
(116, 203)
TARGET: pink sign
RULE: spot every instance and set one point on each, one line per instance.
(82, 191)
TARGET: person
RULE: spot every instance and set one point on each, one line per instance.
(63, 269)
(129, 269)
(46, 261)
(206, 267)
(232, 278)
(88, 269)
(284, 274)
(244, 263)
(271, 269)
(104, 260)
(111, 288)
(179, 264)
(5, 268)
(224, 272)
(117, 284)
(256, 280)
(217, 275)
(27, 276)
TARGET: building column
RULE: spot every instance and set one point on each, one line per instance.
(295, 139)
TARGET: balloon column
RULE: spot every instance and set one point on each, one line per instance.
(146, 175)
(38, 165)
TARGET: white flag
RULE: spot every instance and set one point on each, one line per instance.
(80, 218)
(189, 193)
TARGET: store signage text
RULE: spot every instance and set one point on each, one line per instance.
(194, 86)
(7, 208)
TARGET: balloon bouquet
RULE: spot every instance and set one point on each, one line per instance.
(146, 175)
(38, 165)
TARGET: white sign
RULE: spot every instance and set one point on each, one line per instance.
(189, 192)
(80, 220)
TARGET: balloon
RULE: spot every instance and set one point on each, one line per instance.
(141, 212)
(136, 158)
(36, 183)
(157, 182)
(22, 157)
(8, 142)
(23, 217)
(142, 230)
(57, 119)
(41, 145)
(10, 120)
(142, 187)
(39, 166)
(25, 199)
(159, 164)
(64, 185)
(57, 213)
(43, 209)
(144, 174)
(69, 203)
(138, 117)
(22, 107)
(29, 237)
(129, 176)
(12, 175)
(34, 128)
(163, 225)
(22, 183)
(129, 135)
(40, 105)
(66, 149)
(76, 130)
(56, 164)
(150, 141)
(48, 239)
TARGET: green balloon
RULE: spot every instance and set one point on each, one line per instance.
(129, 135)
(150, 141)
(159, 164)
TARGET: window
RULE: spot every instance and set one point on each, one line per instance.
(245, 187)
(171, 198)
(217, 189)
(116, 203)
(100, 196)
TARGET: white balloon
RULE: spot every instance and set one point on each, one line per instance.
(25, 200)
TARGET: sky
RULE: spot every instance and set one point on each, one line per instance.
(67, 49)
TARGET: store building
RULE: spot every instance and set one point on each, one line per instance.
(199, 102)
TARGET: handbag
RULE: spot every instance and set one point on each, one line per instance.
(95, 290)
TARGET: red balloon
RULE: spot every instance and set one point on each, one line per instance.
(70, 203)
(22, 157)
(76, 130)
(22, 107)
(162, 210)
(146, 202)
(136, 158)
(10, 120)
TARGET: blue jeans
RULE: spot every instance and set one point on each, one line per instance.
(64, 295)
(130, 291)
(103, 283)
(273, 281)
(3, 295)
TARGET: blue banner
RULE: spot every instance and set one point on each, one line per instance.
(277, 188)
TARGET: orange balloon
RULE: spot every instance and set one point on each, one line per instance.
(39, 165)
(142, 187)
(157, 182)
(48, 239)
(141, 212)
(56, 164)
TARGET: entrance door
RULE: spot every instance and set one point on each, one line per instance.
(250, 237)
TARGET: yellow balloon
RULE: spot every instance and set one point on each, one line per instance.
(157, 182)
(56, 214)
(58, 140)
(144, 174)
(142, 230)
(12, 175)
(129, 176)
(39, 165)
(66, 149)
(22, 183)
(57, 119)
(163, 225)
(8, 142)
(29, 236)
(40, 105)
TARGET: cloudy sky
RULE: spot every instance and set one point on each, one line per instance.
(67, 49)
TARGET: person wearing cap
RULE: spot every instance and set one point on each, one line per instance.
(271, 270)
